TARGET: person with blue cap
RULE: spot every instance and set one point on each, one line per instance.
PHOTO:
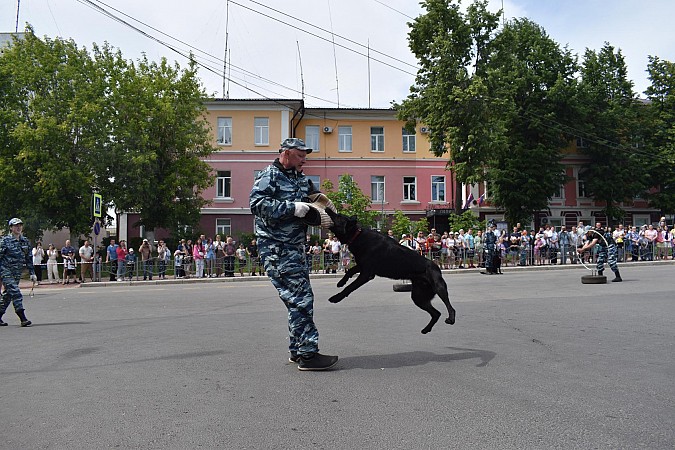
(15, 253)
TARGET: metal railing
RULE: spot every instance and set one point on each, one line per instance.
(230, 266)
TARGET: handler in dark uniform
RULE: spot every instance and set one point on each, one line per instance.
(490, 241)
(15, 253)
(606, 252)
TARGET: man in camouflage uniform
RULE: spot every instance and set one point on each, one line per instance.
(15, 252)
(607, 249)
(278, 201)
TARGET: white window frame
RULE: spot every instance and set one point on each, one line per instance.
(345, 138)
(438, 188)
(377, 188)
(224, 227)
(409, 141)
(223, 184)
(410, 189)
(377, 139)
(581, 186)
(312, 133)
(261, 129)
(224, 131)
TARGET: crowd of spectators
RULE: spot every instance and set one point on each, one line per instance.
(461, 249)
(549, 245)
(205, 258)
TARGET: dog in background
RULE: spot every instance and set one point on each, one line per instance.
(497, 262)
(378, 255)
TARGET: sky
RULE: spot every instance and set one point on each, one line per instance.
(282, 48)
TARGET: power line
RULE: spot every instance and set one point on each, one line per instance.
(394, 9)
(98, 8)
(328, 31)
(91, 4)
(328, 40)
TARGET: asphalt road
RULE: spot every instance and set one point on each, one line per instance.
(536, 360)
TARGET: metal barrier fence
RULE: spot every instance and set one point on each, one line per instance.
(230, 266)
(154, 268)
(531, 256)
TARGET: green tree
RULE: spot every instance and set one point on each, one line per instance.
(465, 221)
(446, 96)
(46, 162)
(73, 123)
(501, 122)
(420, 225)
(535, 80)
(400, 224)
(609, 122)
(350, 200)
(161, 138)
(661, 140)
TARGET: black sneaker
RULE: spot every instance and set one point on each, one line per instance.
(316, 361)
(293, 358)
(3, 324)
(26, 323)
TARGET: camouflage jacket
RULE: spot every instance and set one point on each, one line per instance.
(15, 254)
(272, 201)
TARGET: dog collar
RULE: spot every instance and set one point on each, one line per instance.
(358, 231)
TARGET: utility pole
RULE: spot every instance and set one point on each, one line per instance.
(18, 6)
(226, 90)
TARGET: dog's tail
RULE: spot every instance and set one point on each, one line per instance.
(441, 289)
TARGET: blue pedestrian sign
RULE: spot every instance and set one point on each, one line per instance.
(98, 205)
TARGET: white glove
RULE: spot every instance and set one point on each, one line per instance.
(33, 278)
(301, 209)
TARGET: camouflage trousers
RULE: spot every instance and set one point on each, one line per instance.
(287, 269)
(11, 292)
(607, 254)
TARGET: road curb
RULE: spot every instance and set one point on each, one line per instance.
(25, 284)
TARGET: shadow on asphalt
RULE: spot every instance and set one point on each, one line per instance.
(42, 324)
(407, 359)
(74, 354)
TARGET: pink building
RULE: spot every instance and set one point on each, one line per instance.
(391, 165)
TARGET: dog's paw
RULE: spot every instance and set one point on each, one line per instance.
(450, 320)
(336, 298)
(342, 282)
(425, 330)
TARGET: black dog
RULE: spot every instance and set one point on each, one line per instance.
(497, 262)
(379, 255)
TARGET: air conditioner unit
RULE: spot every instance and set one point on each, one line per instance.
(424, 130)
(327, 130)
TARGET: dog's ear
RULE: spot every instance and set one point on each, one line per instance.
(331, 214)
(353, 218)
